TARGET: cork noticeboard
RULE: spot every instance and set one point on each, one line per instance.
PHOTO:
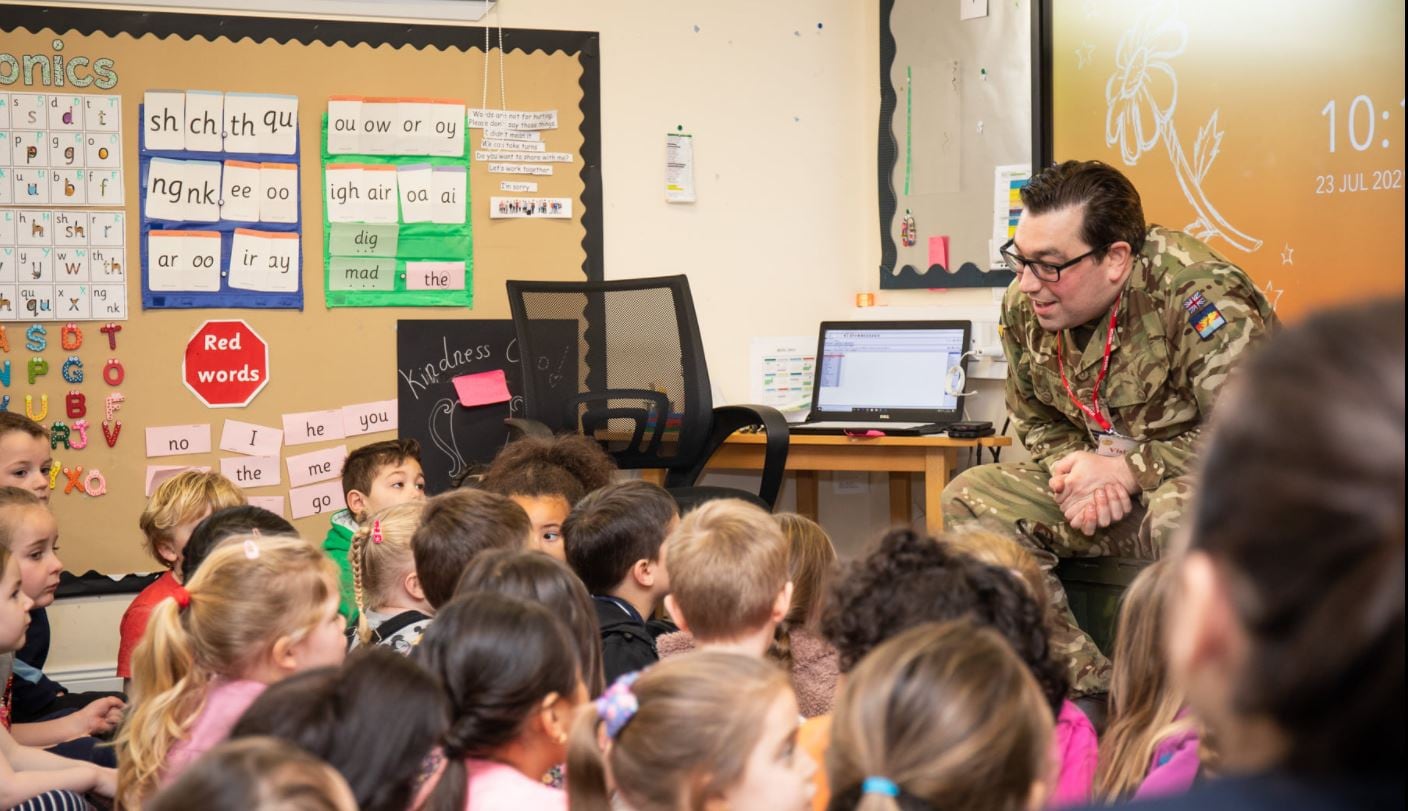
(319, 358)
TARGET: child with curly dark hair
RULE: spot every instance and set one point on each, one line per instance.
(546, 477)
(911, 579)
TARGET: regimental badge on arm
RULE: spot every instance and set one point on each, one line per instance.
(1203, 315)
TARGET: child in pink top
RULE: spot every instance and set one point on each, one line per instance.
(1077, 753)
(510, 669)
(259, 608)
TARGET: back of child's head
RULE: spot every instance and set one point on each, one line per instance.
(250, 592)
(940, 716)
(257, 774)
(454, 528)
(500, 659)
(375, 720)
(381, 557)
(14, 500)
(570, 466)
(540, 578)
(910, 579)
(811, 562)
(181, 499)
(1144, 701)
(613, 527)
(987, 545)
(362, 465)
(227, 523)
(678, 735)
(728, 564)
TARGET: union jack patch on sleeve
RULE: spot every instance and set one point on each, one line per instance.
(1205, 317)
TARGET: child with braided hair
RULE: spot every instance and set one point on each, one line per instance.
(391, 605)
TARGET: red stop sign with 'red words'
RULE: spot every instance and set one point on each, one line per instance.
(226, 364)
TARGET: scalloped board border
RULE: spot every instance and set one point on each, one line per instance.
(585, 46)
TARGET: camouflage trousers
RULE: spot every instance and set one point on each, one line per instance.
(1014, 497)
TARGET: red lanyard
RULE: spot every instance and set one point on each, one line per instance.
(1093, 410)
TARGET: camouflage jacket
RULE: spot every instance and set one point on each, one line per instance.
(1186, 317)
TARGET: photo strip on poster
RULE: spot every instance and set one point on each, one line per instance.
(396, 223)
(221, 216)
(59, 152)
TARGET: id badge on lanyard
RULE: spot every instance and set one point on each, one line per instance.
(1108, 441)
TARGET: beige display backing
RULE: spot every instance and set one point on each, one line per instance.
(319, 358)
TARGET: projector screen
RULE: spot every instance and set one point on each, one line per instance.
(1271, 129)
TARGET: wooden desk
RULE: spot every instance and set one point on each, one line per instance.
(935, 457)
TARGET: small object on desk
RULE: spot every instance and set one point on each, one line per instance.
(863, 434)
(970, 429)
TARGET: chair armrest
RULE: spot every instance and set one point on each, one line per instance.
(727, 420)
(519, 427)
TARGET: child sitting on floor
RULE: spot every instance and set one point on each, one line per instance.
(391, 605)
(546, 477)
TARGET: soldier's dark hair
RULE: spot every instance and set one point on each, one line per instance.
(612, 528)
(1112, 210)
(1301, 506)
(360, 468)
(911, 579)
(570, 466)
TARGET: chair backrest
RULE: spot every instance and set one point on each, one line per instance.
(641, 388)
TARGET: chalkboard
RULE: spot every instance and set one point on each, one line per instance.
(430, 354)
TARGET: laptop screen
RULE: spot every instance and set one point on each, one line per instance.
(899, 369)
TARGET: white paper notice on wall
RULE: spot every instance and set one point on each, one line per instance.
(312, 426)
(317, 466)
(522, 186)
(512, 119)
(175, 440)
(369, 418)
(679, 168)
(274, 504)
(251, 471)
(972, 9)
(317, 499)
(527, 208)
(780, 374)
(250, 439)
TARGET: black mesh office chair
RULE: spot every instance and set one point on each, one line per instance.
(641, 385)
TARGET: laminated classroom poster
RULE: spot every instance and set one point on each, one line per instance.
(396, 213)
(221, 222)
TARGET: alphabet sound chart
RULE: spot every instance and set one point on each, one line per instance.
(61, 149)
(396, 222)
(221, 222)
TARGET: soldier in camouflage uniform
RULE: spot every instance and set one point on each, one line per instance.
(1119, 338)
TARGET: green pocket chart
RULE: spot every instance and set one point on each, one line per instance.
(397, 229)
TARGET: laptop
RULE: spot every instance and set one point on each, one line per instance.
(897, 377)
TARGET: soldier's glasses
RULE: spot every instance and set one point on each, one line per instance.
(1042, 270)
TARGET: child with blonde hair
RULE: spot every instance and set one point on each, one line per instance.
(728, 579)
(798, 644)
(32, 778)
(710, 729)
(260, 608)
(391, 605)
(944, 715)
(1151, 746)
(173, 512)
(258, 774)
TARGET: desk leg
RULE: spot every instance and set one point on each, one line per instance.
(899, 500)
(937, 462)
(807, 493)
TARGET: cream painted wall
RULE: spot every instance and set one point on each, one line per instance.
(783, 235)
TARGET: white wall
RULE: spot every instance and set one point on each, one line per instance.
(784, 233)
